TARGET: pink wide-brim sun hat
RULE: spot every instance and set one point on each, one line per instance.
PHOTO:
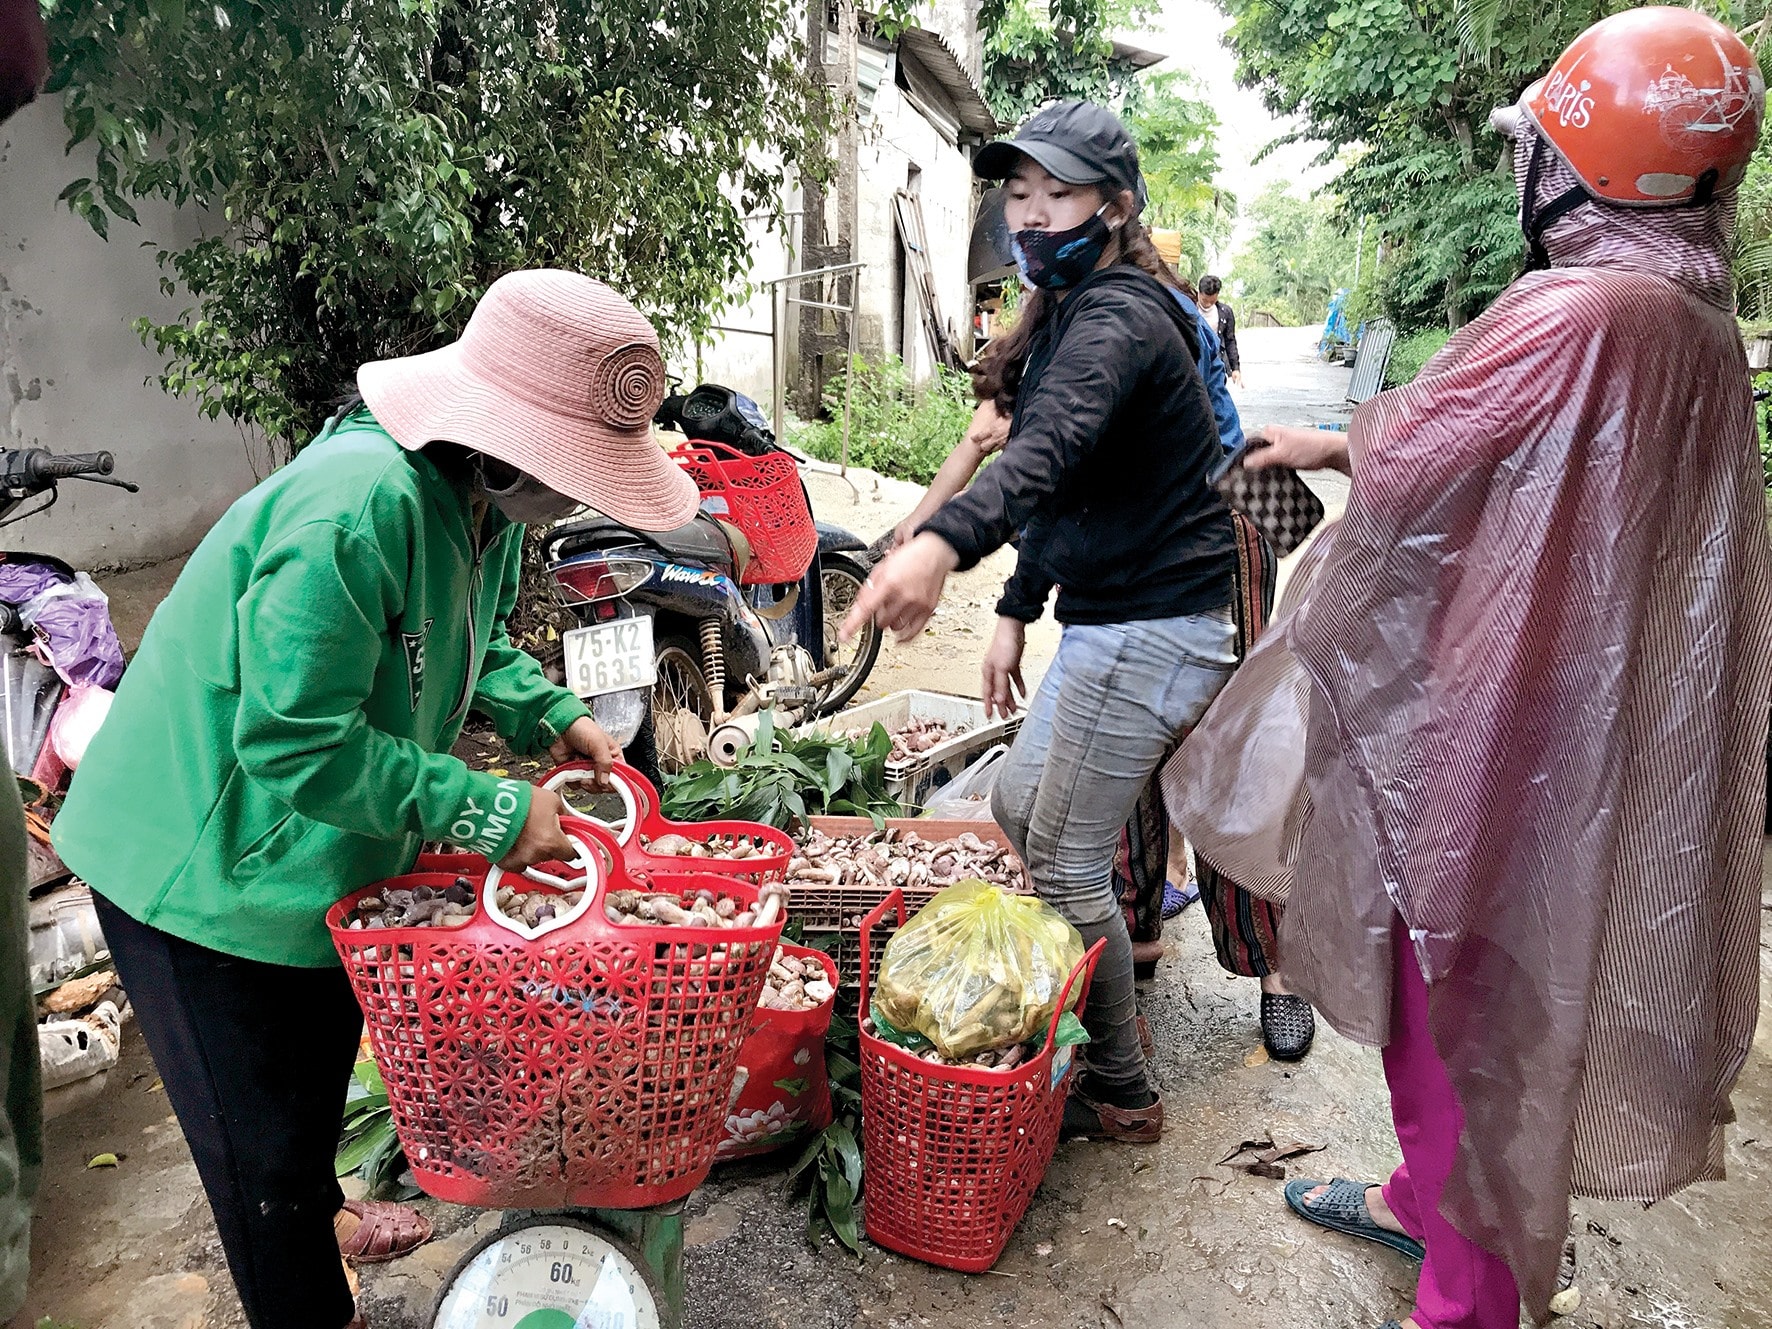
(557, 375)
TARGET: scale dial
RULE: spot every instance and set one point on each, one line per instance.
(553, 1274)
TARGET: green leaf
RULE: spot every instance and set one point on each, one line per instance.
(358, 1150)
(839, 1137)
(368, 1075)
(839, 1208)
(793, 1087)
(841, 1069)
(812, 1153)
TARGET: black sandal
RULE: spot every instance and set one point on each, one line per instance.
(1288, 1025)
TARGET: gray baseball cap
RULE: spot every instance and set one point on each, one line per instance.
(1077, 142)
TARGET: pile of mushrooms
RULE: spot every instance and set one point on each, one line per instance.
(795, 984)
(915, 737)
(417, 907)
(715, 846)
(894, 857)
(991, 1059)
(696, 909)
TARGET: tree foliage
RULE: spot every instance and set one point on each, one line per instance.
(1036, 52)
(371, 168)
(1177, 133)
(1404, 88)
(1295, 258)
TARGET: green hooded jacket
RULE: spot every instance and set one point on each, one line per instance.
(282, 736)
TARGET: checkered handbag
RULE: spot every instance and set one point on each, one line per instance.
(1277, 500)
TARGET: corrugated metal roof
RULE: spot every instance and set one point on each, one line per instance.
(935, 55)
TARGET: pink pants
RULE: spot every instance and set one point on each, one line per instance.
(1462, 1285)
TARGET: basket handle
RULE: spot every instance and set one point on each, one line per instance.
(894, 899)
(593, 883)
(1084, 972)
(639, 799)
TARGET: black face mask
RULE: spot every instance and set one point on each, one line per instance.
(1058, 260)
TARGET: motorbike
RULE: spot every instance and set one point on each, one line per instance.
(677, 655)
(59, 654)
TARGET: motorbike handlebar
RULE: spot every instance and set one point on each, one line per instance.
(46, 467)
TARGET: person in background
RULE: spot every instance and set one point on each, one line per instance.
(1100, 382)
(282, 738)
(1214, 367)
(24, 64)
(1540, 649)
(1224, 322)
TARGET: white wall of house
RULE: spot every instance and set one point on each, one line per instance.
(899, 140)
(74, 377)
(897, 144)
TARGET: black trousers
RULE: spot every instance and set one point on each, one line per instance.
(255, 1058)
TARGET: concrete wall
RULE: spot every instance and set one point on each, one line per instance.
(74, 377)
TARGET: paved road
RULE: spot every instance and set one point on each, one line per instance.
(1284, 383)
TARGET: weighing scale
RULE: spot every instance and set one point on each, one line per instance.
(579, 1268)
(576, 1269)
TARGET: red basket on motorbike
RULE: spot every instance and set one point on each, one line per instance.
(763, 498)
(577, 1062)
(749, 850)
(955, 1153)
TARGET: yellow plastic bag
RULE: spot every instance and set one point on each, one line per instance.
(978, 968)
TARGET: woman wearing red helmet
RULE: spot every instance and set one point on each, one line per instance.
(1541, 651)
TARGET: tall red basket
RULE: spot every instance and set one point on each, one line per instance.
(587, 1064)
(762, 497)
(955, 1153)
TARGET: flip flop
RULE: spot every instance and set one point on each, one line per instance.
(1342, 1208)
(384, 1232)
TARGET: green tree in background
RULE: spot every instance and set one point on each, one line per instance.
(1037, 51)
(1296, 257)
(1177, 133)
(373, 167)
(1404, 88)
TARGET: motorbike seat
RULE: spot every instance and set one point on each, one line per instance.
(702, 542)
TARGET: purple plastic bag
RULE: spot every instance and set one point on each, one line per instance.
(71, 621)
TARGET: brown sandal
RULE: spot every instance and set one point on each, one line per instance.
(384, 1232)
(1086, 1119)
(1146, 1044)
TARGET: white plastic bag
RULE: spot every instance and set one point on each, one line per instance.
(1235, 788)
(967, 797)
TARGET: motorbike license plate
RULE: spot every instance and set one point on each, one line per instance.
(610, 657)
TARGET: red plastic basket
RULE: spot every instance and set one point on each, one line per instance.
(955, 1153)
(589, 1065)
(762, 497)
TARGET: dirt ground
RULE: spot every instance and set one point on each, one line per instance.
(1118, 1238)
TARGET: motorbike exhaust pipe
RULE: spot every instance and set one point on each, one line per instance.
(730, 741)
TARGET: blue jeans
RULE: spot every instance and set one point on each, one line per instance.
(1110, 708)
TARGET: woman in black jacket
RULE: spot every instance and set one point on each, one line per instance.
(1105, 479)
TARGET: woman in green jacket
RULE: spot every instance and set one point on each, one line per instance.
(282, 737)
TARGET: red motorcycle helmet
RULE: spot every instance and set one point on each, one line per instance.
(1652, 107)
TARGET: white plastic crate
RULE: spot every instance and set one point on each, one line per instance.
(911, 782)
